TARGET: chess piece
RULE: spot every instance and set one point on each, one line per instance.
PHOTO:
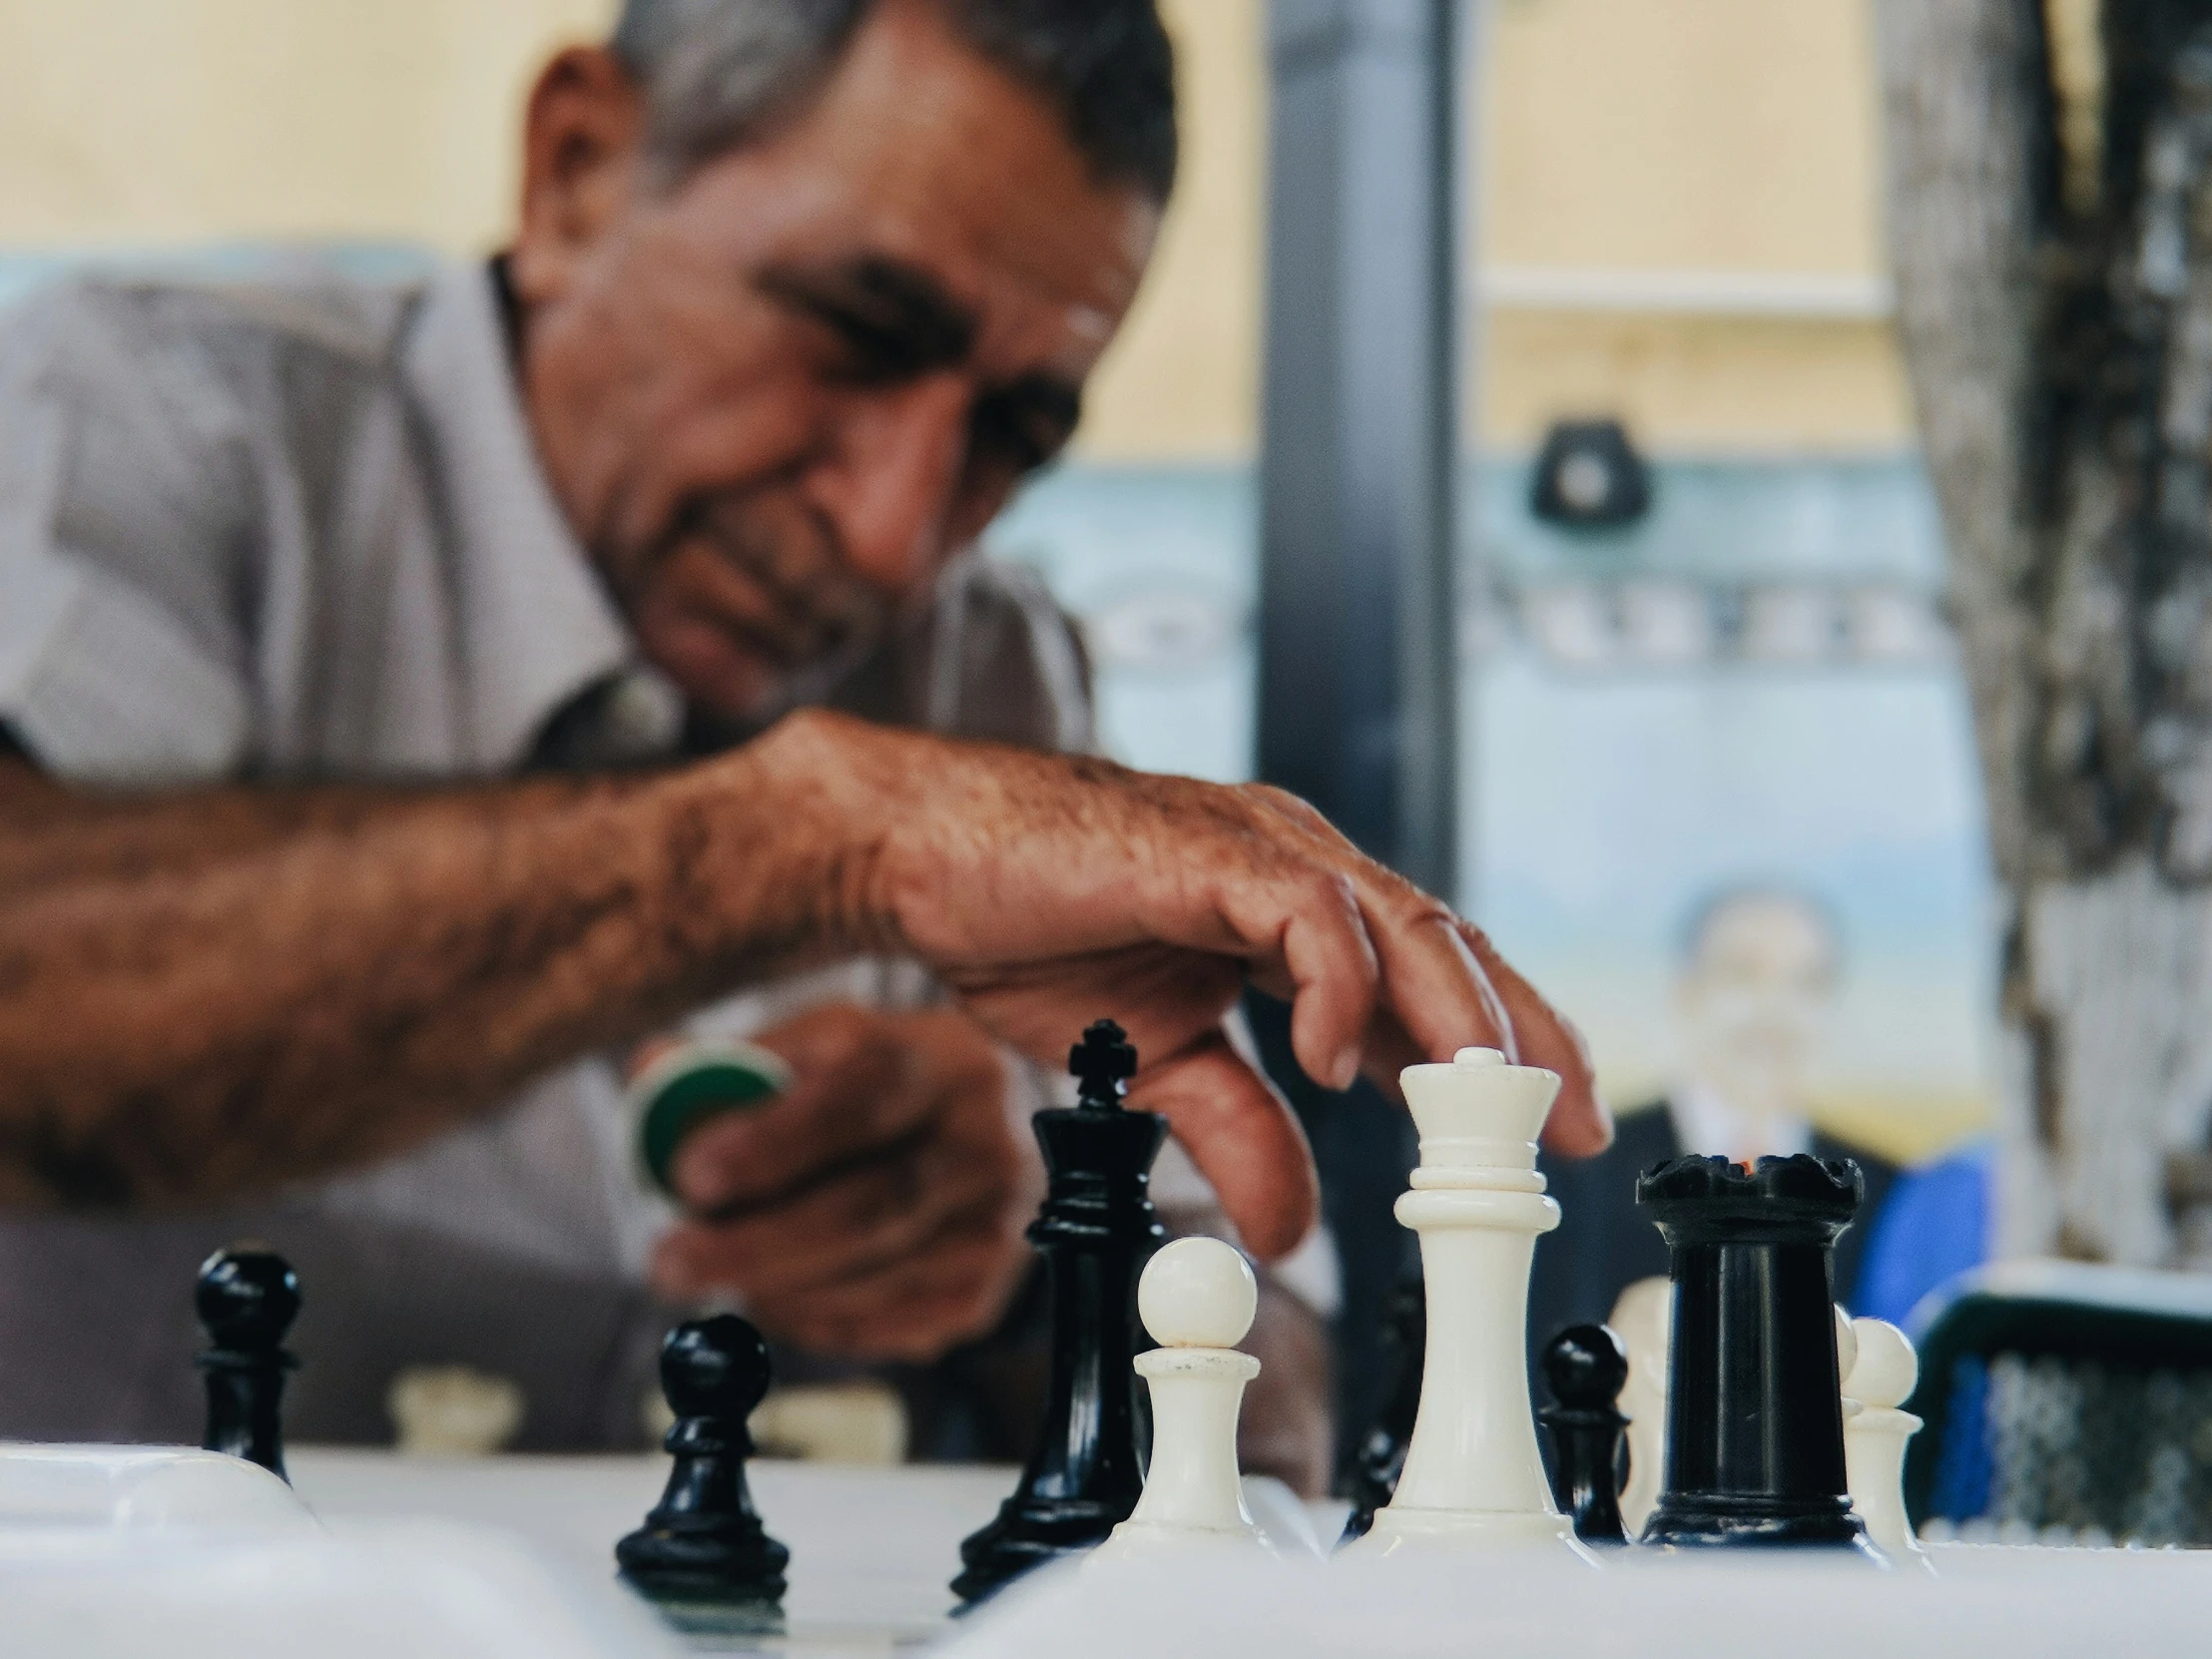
(687, 1084)
(702, 1543)
(1197, 1298)
(1878, 1382)
(1755, 1427)
(247, 1298)
(1472, 1474)
(1094, 1231)
(1641, 1318)
(1382, 1454)
(1586, 1365)
(453, 1411)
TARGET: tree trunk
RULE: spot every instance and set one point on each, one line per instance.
(2050, 219)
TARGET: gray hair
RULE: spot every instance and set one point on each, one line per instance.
(720, 72)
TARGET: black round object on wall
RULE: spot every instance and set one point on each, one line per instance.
(1589, 476)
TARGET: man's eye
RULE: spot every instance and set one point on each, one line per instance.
(1004, 433)
(868, 354)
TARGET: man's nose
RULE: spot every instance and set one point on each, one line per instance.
(888, 483)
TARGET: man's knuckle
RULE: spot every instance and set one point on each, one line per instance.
(1329, 892)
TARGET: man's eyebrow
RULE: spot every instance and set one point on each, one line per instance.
(897, 317)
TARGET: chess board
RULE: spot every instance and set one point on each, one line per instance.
(871, 1548)
(415, 1558)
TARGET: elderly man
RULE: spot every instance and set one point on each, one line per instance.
(414, 698)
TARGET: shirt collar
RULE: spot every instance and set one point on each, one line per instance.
(535, 626)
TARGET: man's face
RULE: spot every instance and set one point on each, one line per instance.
(1754, 1002)
(774, 398)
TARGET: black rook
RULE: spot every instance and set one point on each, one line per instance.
(1095, 1231)
(1754, 1423)
(247, 1298)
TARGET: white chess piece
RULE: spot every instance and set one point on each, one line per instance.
(1197, 1297)
(1879, 1381)
(453, 1411)
(1643, 1319)
(1472, 1473)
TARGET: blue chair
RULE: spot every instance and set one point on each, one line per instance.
(2066, 1402)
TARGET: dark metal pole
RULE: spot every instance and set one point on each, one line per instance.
(1359, 593)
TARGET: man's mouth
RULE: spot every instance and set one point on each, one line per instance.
(792, 609)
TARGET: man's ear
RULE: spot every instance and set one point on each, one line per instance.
(581, 138)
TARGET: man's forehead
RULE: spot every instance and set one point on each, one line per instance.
(919, 152)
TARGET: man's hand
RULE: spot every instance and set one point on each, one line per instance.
(1051, 890)
(873, 1211)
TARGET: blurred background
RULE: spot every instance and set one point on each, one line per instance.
(1669, 217)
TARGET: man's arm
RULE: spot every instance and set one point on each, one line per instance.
(208, 991)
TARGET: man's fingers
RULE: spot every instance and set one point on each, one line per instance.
(1579, 1124)
(1432, 987)
(863, 1217)
(1242, 1137)
(951, 1289)
(1298, 925)
(852, 1091)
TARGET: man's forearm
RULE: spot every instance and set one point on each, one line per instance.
(207, 993)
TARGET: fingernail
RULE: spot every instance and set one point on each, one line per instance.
(1347, 1069)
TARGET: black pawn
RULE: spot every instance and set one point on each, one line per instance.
(1381, 1457)
(1586, 1365)
(1095, 1231)
(247, 1298)
(1755, 1422)
(703, 1543)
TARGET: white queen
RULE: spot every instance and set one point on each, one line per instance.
(1472, 1473)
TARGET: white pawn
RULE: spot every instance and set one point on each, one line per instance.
(1197, 1297)
(1879, 1379)
(1474, 1477)
(1643, 1319)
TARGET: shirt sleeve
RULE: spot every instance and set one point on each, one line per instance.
(120, 521)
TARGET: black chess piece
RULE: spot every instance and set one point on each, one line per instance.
(247, 1298)
(1586, 1365)
(1381, 1457)
(702, 1543)
(1095, 1231)
(1755, 1422)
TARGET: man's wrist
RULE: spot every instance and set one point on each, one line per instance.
(789, 832)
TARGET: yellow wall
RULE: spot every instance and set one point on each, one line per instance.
(1182, 381)
(1697, 133)
(164, 121)
(1730, 136)
(1668, 138)
(1619, 137)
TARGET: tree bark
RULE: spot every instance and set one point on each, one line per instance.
(2050, 220)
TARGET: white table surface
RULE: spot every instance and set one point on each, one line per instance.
(873, 1549)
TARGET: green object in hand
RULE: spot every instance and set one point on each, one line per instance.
(688, 1085)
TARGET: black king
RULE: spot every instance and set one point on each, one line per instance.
(1095, 1231)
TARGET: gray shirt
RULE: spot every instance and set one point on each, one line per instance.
(298, 531)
